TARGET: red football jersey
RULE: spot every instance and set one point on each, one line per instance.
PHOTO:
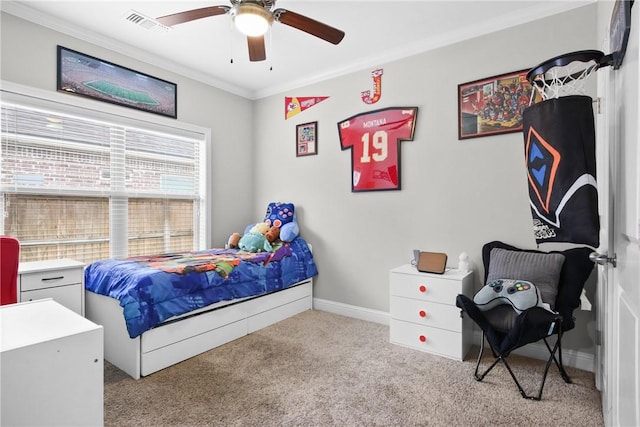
(374, 139)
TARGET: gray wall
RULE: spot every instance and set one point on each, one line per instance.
(28, 57)
(455, 195)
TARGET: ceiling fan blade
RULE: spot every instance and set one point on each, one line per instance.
(192, 15)
(256, 48)
(308, 25)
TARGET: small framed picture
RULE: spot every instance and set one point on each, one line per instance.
(307, 139)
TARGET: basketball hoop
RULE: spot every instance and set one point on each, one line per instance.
(565, 74)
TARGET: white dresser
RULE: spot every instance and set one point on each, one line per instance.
(60, 279)
(423, 311)
(52, 366)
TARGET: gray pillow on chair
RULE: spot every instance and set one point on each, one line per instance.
(543, 269)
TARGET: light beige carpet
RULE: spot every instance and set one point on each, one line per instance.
(321, 369)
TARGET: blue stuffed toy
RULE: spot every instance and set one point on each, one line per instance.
(283, 216)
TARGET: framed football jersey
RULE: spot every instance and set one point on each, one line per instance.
(374, 139)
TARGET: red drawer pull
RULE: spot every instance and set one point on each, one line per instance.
(423, 288)
(423, 338)
(423, 313)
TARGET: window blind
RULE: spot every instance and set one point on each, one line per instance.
(84, 188)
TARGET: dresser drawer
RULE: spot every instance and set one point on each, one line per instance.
(50, 279)
(428, 339)
(69, 295)
(425, 287)
(426, 313)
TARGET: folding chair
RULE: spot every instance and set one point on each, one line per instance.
(560, 280)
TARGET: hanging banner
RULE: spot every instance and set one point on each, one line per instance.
(560, 150)
(376, 75)
(295, 105)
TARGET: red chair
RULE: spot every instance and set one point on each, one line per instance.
(9, 259)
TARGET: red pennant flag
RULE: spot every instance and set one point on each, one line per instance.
(295, 105)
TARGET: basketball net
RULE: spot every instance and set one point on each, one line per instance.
(564, 80)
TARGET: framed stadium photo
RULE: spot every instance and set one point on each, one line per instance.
(493, 105)
(84, 75)
(307, 139)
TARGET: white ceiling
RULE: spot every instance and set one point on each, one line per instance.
(376, 32)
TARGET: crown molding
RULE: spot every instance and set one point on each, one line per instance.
(541, 10)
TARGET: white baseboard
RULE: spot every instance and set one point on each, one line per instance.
(354, 311)
(570, 358)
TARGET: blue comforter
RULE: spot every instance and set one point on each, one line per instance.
(155, 288)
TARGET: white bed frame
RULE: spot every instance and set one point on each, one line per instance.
(185, 337)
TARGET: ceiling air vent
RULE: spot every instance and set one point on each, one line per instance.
(145, 22)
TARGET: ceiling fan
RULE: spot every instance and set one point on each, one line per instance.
(253, 18)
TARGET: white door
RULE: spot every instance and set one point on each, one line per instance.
(618, 368)
(604, 317)
(626, 237)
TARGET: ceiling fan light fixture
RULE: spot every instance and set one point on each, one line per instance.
(251, 19)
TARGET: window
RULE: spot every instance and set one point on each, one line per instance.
(86, 185)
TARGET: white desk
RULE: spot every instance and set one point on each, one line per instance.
(51, 366)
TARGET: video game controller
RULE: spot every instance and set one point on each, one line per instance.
(520, 294)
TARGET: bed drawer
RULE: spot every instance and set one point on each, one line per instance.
(269, 302)
(196, 325)
(162, 357)
(276, 314)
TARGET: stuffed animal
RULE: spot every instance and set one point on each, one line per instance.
(272, 234)
(261, 227)
(258, 237)
(254, 242)
(233, 241)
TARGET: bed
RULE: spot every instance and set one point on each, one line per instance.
(160, 310)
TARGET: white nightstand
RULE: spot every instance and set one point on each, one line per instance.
(59, 279)
(423, 311)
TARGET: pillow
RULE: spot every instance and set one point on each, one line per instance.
(289, 231)
(518, 294)
(542, 269)
(283, 216)
(279, 214)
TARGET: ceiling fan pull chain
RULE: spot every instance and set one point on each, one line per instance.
(231, 42)
(270, 50)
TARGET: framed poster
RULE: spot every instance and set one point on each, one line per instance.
(493, 105)
(84, 75)
(307, 139)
